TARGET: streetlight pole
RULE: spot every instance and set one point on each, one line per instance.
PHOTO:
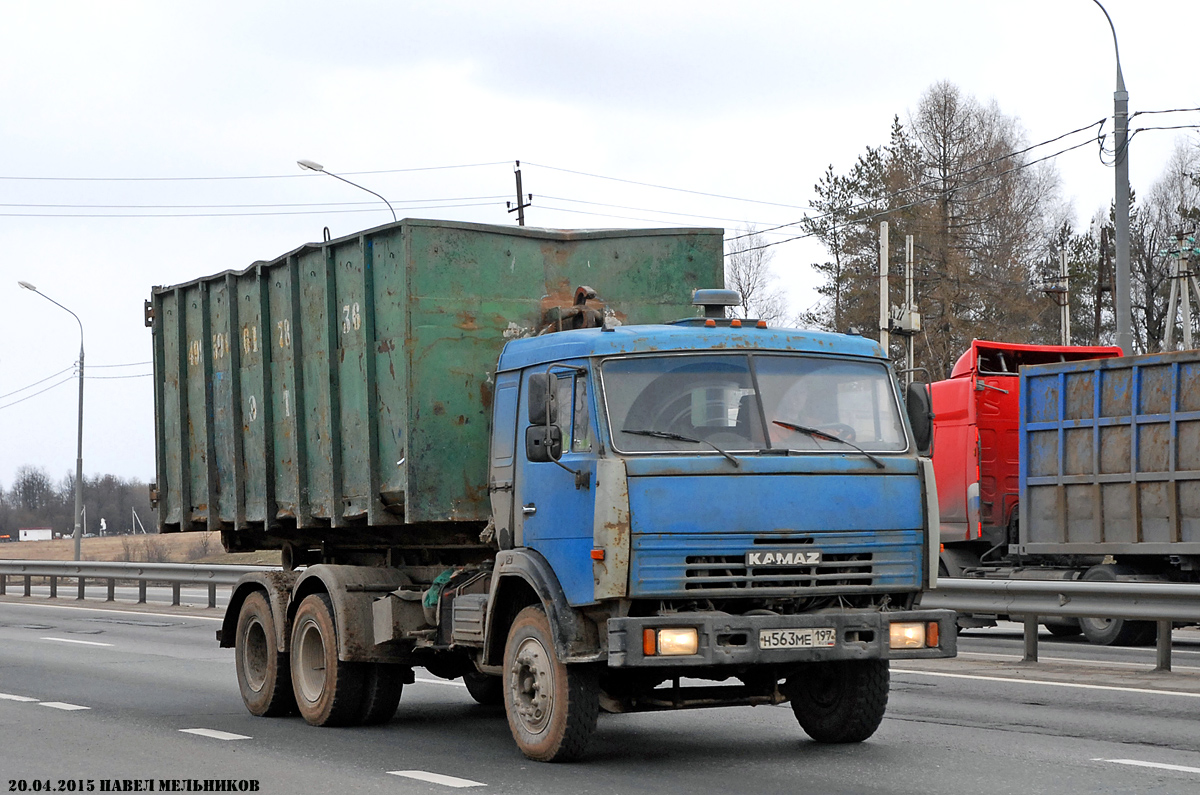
(309, 165)
(1121, 283)
(79, 447)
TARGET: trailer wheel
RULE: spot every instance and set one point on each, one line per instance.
(263, 674)
(551, 707)
(1115, 631)
(329, 692)
(382, 688)
(841, 701)
(486, 690)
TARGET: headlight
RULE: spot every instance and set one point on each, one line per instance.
(907, 636)
(670, 642)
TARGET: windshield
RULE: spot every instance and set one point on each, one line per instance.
(736, 402)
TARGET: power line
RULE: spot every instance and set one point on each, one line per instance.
(114, 377)
(242, 206)
(130, 364)
(932, 182)
(35, 394)
(35, 383)
(232, 215)
(890, 210)
(667, 187)
(259, 176)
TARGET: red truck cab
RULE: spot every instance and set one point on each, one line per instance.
(975, 451)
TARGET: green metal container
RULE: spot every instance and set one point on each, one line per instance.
(348, 384)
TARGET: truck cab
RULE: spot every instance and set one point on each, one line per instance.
(976, 446)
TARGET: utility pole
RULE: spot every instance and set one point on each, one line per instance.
(884, 316)
(1060, 291)
(1102, 284)
(1064, 318)
(520, 206)
(1183, 279)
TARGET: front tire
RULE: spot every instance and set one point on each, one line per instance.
(840, 701)
(329, 692)
(551, 706)
(486, 690)
(263, 673)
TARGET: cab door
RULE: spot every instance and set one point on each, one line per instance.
(555, 504)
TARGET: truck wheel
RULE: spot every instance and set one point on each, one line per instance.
(486, 690)
(551, 707)
(842, 701)
(1062, 627)
(264, 677)
(382, 687)
(1115, 631)
(329, 692)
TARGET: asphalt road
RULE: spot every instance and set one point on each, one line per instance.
(95, 694)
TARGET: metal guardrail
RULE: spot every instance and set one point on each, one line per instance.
(1163, 603)
(176, 574)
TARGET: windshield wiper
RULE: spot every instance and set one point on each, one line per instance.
(681, 438)
(819, 434)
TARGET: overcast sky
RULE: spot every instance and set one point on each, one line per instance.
(622, 113)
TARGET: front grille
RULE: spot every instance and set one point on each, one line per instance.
(715, 565)
(723, 572)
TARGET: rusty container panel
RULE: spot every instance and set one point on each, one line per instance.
(1110, 456)
(348, 384)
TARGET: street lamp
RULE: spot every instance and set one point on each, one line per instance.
(1122, 303)
(309, 165)
(79, 448)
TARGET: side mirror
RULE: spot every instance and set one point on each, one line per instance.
(920, 416)
(543, 399)
(543, 443)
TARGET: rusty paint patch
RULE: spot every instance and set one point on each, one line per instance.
(467, 322)
(439, 408)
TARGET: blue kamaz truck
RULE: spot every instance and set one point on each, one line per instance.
(545, 462)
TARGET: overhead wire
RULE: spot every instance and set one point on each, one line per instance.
(40, 392)
(35, 383)
(249, 177)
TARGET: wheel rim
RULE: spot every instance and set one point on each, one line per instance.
(532, 683)
(254, 654)
(311, 654)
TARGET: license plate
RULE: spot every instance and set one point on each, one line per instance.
(806, 638)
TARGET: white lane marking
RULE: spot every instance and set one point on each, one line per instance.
(1074, 660)
(1159, 765)
(80, 642)
(1014, 680)
(61, 705)
(5, 602)
(454, 683)
(216, 735)
(11, 697)
(436, 778)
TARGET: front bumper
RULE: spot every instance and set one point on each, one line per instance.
(727, 639)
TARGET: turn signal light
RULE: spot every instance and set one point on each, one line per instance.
(906, 635)
(931, 634)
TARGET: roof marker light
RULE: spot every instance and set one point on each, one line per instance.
(762, 324)
(735, 323)
(710, 323)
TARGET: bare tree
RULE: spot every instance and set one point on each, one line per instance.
(748, 270)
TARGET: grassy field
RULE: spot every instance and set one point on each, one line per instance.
(166, 548)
